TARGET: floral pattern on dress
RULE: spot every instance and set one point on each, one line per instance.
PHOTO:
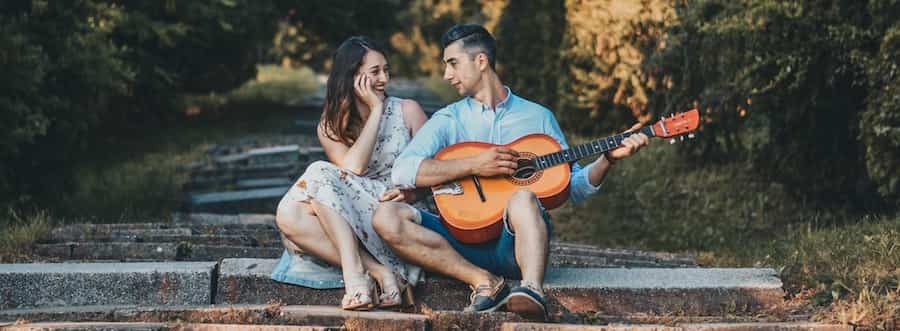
(354, 197)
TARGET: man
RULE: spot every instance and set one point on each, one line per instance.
(488, 112)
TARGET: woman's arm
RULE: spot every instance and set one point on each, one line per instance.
(356, 157)
(413, 116)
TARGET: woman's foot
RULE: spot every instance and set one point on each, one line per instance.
(394, 291)
(359, 293)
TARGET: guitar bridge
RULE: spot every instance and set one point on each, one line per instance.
(452, 188)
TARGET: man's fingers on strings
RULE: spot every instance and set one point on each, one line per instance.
(506, 151)
(507, 164)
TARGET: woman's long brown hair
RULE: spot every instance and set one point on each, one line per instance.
(340, 118)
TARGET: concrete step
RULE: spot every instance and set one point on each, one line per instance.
(185, 250)
(241, 171)
(688, 291)
(208, 237)
(143, 326)
(73, 284)
(198, 218)
(802, 326)
(253, 200)
(271, 314)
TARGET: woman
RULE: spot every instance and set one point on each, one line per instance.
(328, 212)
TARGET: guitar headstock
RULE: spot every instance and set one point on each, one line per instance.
(677, 124)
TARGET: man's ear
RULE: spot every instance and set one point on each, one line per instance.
(481, 61)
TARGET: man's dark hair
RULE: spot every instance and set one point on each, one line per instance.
(472, 37)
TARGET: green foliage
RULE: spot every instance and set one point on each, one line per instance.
(310, 31)
(56, 92)
(83, 73)
(274, 86)
(654, 200)
(880, 123)
(529, 36)
(20, 231)
(781, 85)
(603, 86)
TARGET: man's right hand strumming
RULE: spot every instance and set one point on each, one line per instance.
(494, 161)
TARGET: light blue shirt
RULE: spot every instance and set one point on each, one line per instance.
(470, 120)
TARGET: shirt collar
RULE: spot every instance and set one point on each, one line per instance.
(502, 104)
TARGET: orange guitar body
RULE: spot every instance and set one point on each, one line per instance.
(472, 220)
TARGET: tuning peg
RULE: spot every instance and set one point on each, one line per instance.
(691, 135)
(672, 141)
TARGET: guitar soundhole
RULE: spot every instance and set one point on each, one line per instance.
(526, 171)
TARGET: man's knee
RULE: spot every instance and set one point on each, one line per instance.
(523, 199)
(521, 210)
(389, 219)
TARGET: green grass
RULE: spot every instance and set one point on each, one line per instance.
(845, 266)
(277, 86)
(20, 232)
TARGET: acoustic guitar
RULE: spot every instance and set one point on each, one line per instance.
(472, 208)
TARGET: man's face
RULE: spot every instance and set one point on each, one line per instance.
(461, 69)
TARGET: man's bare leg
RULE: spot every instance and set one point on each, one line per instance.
(526, 221)
(395, 223)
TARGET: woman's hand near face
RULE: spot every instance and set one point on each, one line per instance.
(366, 93)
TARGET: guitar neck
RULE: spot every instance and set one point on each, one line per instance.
(595, 147)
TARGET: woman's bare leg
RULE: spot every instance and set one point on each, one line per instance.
(300, 224)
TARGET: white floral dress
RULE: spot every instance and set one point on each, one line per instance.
(354, 197)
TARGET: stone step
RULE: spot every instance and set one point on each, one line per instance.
(147, 252)
(802, 326)
(198, 218)
(254, 200)
(143, 326)
(223, 236)
(242, 171)
(263, 182)
(689, 291)
(73, 284)
(270, 314)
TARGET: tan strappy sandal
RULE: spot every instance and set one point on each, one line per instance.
(396, 295)
(359, 293)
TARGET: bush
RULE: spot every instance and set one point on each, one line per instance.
(83, 73)
(772, 97)
(880, 123)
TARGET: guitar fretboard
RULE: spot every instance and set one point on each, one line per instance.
(578, 152)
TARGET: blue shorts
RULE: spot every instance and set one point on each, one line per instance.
(497, 256)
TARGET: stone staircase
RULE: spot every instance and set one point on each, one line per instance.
(211, 271)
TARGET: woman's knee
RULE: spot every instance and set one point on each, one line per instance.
(388, 220)
(289, 217)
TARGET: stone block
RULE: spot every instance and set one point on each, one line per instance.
(686, 291)
(82, 284)
(457, 320)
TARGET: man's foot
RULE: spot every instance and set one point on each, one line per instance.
(527, 301)
(487, 297)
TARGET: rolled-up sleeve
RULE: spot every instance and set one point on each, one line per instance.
(431, 138)
(579, 184)
(580, 187)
